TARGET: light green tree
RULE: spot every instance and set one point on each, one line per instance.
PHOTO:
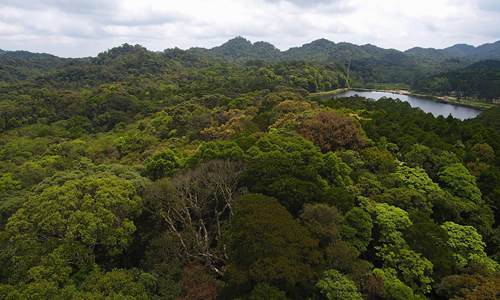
(457, 179)
(57, 229)
(336, 286)
(394, 252)
(395, 288)
(467, 246)
(416, 179)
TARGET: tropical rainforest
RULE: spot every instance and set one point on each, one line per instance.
(214, 174)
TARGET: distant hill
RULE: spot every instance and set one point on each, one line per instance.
(241, 48)
(463, 51)
(460, 50)
(487, 51)
(369, 65)
(20, 65)
(479, 80)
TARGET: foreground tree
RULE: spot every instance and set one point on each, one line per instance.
(286, 166)
(393, 251)
(194, 205)
(336, 286)
(266, 245)
(61, 229)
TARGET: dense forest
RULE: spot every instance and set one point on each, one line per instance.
(480, 80)
(446, 71)
(185, 174)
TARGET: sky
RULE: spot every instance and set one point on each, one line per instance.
(77, 28)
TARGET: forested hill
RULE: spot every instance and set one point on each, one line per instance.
(186, 175)
(482, 52)
(369, 65)
(479, 80)
(38, 87)
(21, 65)
(323, 50)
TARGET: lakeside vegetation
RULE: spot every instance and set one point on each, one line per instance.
(187, 175)
(480, 80)
(473, 103)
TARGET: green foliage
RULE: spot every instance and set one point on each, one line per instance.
(66, 221)
(407, 199)
(266, 245)
(336, 171)
(217, 150)
(419, 156)
(357, 228)
(265, 291)
(428, 238)
(483, 152)
(413, 269)
(117, 284)
(286, 166)
(7, 183)
(336, 286)
(393, 251)
(394, 288)
(133, 143)
(457, 179)
(161, 164)
(479, 80)
(467, 246)
(378, 160)
(391, 221)
(162, 124)
(416, 179)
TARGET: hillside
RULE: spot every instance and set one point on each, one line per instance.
(369, 64)
(22, 65)
(478, 80)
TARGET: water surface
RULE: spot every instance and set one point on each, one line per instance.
(426, 104)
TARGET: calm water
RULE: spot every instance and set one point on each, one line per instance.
(427, 105)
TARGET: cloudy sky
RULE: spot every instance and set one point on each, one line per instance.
(86, 27)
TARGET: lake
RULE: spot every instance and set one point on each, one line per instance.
(426, 104)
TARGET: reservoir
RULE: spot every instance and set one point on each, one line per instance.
(426, 104)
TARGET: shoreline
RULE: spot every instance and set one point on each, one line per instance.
(442, 99)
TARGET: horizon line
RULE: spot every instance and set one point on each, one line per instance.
(253, 43)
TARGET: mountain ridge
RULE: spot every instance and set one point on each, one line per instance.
(456, 50)
(368, 63)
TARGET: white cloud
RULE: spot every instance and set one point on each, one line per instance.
(86, 27)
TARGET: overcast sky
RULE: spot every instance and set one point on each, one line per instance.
(86, 27)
